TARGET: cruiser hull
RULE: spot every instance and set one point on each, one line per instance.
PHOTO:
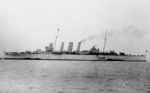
(74, 57)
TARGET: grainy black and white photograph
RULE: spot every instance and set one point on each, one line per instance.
(74, 46)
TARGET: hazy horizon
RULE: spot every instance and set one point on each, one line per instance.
(32, 24)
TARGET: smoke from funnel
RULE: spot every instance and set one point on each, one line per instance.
(134, 32)
(90, 38)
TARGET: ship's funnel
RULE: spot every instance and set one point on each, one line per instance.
(62, 47)
(78, 47)
(49, 48)
(70, 47)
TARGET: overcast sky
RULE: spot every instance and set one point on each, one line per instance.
(31, 24)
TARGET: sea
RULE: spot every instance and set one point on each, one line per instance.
(42, 76)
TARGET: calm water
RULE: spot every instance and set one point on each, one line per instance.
(24, 76)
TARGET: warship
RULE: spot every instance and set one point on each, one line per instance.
(93, 54)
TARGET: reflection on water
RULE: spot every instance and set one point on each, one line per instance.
(22, 76)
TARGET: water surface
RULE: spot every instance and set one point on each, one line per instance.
(25, 76)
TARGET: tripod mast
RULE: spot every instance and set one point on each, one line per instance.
(56, 38)
(105, 42)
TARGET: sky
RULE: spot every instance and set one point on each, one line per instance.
(32, 24)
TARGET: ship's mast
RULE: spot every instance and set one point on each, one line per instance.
(105, 41)
(56, 38)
